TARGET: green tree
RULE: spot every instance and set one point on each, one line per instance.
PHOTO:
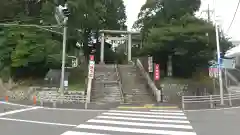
(178, 33)
(10, 9)
(90, 16)
(27, 50)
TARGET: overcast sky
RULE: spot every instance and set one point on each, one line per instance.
(225, 11)
(132, 9)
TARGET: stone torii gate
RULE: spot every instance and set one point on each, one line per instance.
(129, 38)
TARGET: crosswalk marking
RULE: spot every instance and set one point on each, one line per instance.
(158, 113)
(166, 111)
(122, 122)
(80, 133)
(144, 119)
(147, 107)
(135, 130)
(149, 116)
(140, 124)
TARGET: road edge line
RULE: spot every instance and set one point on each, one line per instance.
(38, 122)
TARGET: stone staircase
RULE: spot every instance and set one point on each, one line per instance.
(233, 78)
(235, 73)
(134, 86)
(105, 88)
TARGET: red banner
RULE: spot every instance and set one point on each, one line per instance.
(92, 57)
(156, 72)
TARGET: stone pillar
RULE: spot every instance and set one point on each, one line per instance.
(129, 47)
(102, 48)
(169, 66)
(237, 60)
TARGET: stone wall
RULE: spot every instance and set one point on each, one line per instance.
(19, 95)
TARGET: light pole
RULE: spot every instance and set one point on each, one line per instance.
(218, 56)
(63, 55)
(61, 15)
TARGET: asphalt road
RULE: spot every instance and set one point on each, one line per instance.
(215, 122)
(29, 120)
(20, 120)
(4, 108)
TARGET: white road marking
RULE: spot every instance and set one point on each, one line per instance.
(38, 122)
(134, 130)
(58, 109)
(148, 116)
(140, 112)
(143, 119)
(140, 124)
(219, 109)
(13, 104)
(18, 111)
(80, 133)
(82, 110)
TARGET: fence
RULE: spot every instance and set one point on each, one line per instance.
(211, 100)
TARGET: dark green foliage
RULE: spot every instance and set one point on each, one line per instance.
(169, 28)
(30, 51)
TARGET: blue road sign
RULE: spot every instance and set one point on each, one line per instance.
(224, 63)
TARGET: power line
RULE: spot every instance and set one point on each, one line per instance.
(14, 19)
(46, 28)
(233, 16)
(28, 25)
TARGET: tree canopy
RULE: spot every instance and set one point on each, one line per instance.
(90, 16)
(178, 33)
(29, 50)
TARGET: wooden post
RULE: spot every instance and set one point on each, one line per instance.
(6, 98)
(34, 100)
(183, 104)
(211, 102)
(230, 99)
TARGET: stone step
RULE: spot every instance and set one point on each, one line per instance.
(134, 85)
(139, 101)
(100, 98)
(117, 89)
(106, 99)
(103, 95)
(106, 89)
(106, 86)
(110, 95)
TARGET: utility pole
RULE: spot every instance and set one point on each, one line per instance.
(208, 14)
(218, 55)
(208, 11)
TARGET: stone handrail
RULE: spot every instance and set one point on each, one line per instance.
(119, 82)
(156, 92)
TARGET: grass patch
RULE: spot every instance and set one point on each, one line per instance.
(76, 87)
(77, 79)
